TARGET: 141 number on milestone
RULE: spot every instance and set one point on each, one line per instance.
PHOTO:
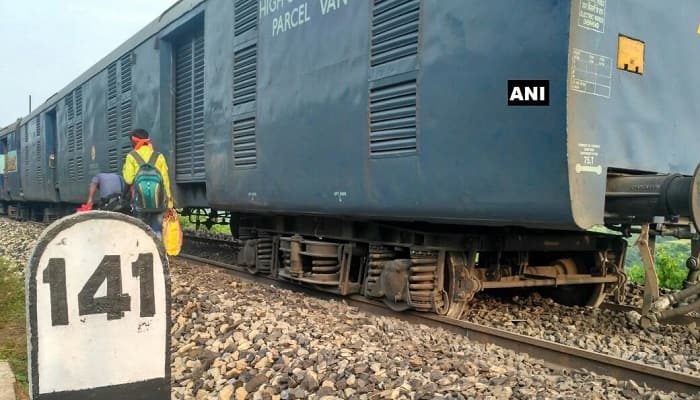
(115, 303)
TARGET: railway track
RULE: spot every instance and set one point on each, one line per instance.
(554, 354)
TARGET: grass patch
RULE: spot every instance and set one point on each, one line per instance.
(13, 337)
(185, 222)
(671, 255)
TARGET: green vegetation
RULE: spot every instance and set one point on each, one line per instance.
(670, 262)
(185, 222)
(671, 255)
(13, 338)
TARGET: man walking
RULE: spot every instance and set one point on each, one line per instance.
(147, 172)
(112, 193)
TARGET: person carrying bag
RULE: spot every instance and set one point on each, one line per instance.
(172, 232)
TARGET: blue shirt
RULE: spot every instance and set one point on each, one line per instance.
(108, 184)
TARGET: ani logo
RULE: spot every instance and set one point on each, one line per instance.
(528, 93)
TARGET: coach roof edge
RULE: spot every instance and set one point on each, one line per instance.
(168, 16)
(10, 127)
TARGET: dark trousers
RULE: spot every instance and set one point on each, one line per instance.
(154, 220)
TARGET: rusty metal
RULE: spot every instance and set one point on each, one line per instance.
(662, 309)
(656, 318)
(615, 266)
(676, 297)
(422, 279)
(680, 310)
(516, 282)
(693, 263)
(378, 255)
(394, 283)
(263, 261)
(561, 267)
(276, 259)
(351, 255)
(460, 285)
(326, 264)
(562, 272)
(651, 281)
(598, 293)
(295, 266)
(656, 309)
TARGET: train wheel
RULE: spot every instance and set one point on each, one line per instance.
(576, 295)
(459, 285)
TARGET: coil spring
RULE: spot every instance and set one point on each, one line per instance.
(264, 256)
(325, 266)
(378, 255)
(422, 278)
(286, 254)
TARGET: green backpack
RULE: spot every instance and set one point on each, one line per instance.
(148, 190)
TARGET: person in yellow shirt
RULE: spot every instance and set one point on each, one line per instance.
(144, 149)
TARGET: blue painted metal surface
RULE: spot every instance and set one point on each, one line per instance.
(642, 122)
(11, 181)
(474, 160)
(37, 138)
(5, 162)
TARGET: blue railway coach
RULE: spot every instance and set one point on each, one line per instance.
(9, 180)
(369, 146)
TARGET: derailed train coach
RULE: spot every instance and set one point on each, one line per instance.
(368, 146)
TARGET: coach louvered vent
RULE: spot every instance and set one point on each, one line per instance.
(245, 74)
(125, 106)
(393, 97)
(395, 29)
(119, 111)
(393, 119)
(244, 91)
(189, 108)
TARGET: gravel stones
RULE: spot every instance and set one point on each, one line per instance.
(204, 234)
(278, 344)
(17, 239)
(605, 331)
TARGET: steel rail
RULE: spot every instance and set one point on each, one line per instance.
(553, 354)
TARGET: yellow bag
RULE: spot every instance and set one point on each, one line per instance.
(172, 232)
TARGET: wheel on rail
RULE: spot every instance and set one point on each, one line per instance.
(459, 285)
(575, 295)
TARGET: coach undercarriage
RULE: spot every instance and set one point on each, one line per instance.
(437, 269)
